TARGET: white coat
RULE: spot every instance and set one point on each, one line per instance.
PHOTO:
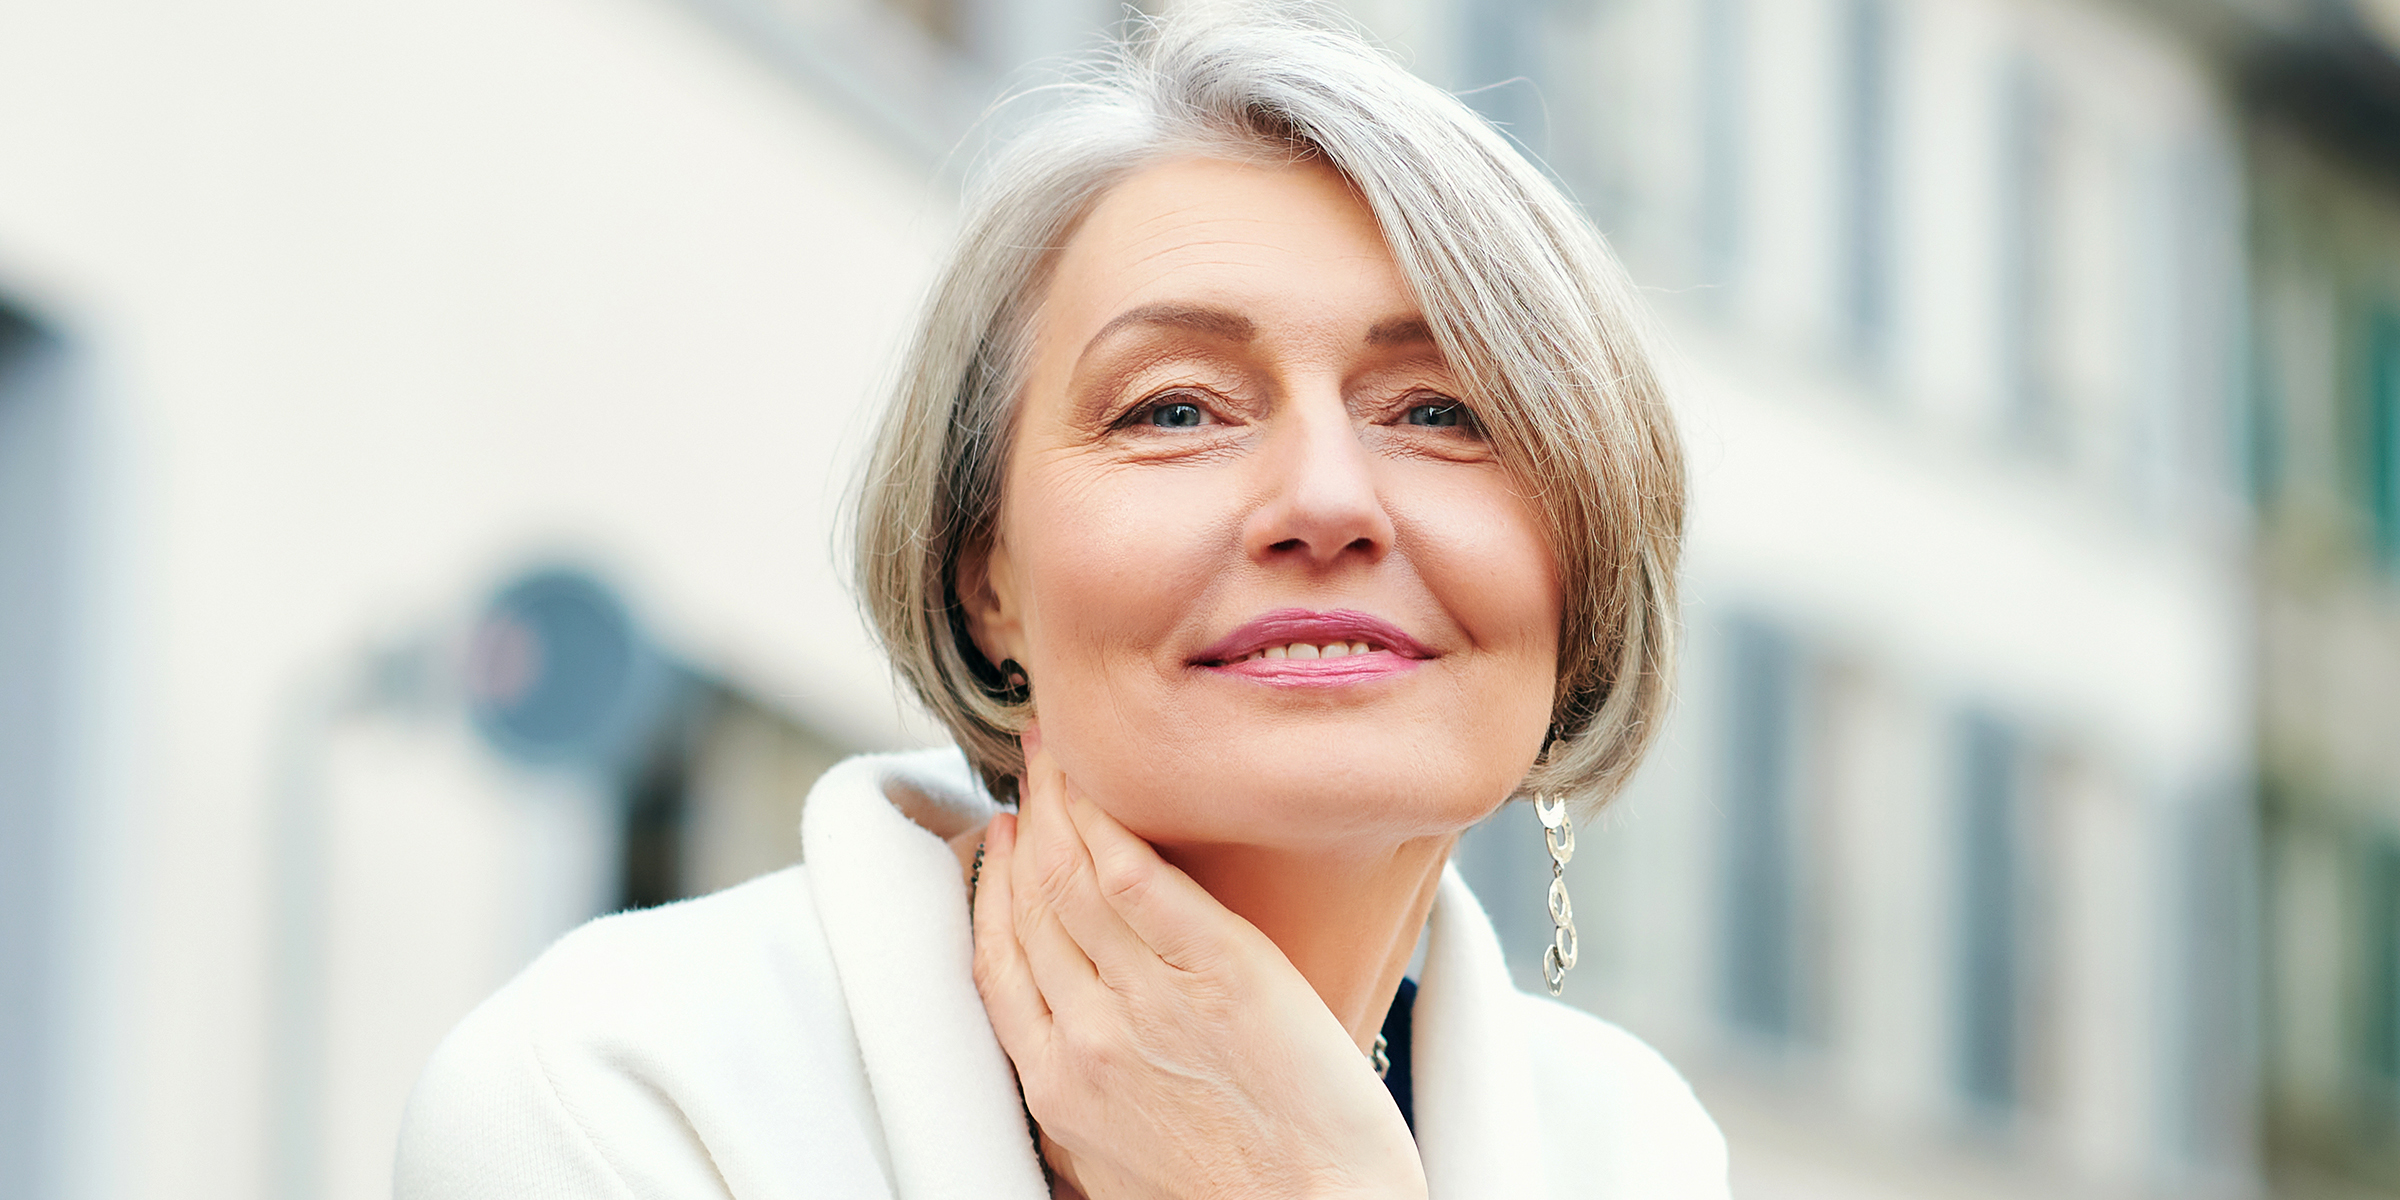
(815, 1033)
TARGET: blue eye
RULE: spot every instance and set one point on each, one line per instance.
(1446, 414)
(1177, 415)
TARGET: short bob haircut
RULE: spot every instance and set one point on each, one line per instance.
(1531, 311)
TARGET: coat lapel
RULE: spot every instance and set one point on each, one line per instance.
(895, 918)
(1477, 1131)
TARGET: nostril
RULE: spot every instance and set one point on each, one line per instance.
(1287, 544)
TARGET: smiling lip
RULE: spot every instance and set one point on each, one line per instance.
(1388, 648)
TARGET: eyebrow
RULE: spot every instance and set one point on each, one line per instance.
(1234, 327)
(1198, 318)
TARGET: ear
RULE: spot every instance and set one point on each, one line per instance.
(987, 591)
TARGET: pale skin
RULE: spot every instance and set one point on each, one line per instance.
(1191, 931)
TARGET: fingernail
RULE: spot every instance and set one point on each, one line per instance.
(1032, 738)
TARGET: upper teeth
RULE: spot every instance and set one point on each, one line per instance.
(1308, 650)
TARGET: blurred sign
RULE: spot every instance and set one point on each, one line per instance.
(559, 674)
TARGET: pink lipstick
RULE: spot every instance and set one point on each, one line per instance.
(1302, 647)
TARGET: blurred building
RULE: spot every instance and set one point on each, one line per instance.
(316, 325)
(1938, 882)
(2322, 90)
(2040, 363)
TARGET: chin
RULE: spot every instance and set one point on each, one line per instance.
(1328, 796)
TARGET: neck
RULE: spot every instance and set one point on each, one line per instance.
(1348, 924)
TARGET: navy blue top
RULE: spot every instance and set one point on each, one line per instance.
(1396, 1026)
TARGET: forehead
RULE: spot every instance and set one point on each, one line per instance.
(1282, 242)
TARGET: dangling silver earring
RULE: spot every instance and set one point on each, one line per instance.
(1558, 833)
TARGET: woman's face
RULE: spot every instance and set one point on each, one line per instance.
(1269, 583)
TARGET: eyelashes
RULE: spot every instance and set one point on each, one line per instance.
(1443, 413)
(1171, 408)
(1187, 408)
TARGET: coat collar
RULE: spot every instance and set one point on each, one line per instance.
(1476, 1119)
(895, 917)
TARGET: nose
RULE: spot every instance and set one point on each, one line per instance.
(1322, 506)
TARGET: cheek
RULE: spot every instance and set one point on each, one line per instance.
(1111, 560)
(1486, 557)
(1481, 549)
(1112, 564)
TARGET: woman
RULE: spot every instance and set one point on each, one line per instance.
(1276, 487)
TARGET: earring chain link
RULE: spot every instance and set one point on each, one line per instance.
(1558, 835)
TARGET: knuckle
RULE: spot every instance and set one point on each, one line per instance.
(1055, 874)
(1085, 1048)
(1123, 878)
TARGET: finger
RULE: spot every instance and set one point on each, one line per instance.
(1014, 1001)
(1058, 962)
(1070, 882)
(1175, 918)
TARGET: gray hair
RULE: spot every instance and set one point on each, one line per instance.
(1528, 306)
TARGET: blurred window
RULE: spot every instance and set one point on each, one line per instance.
(1761, 937)
(2027, 219)
(2216, 448)
(1867, 176)
(1723, 132)
(1502, 41)
(2379, 930)
(2383, 434)
(942, 20)
(2169, 292)
(2213, 1108)
(1991, 867)
(35, 560)
(2263, 426)
(974, 43)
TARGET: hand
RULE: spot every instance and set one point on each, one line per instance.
(1166, 1047)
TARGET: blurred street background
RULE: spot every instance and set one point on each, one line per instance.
(423, 432)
